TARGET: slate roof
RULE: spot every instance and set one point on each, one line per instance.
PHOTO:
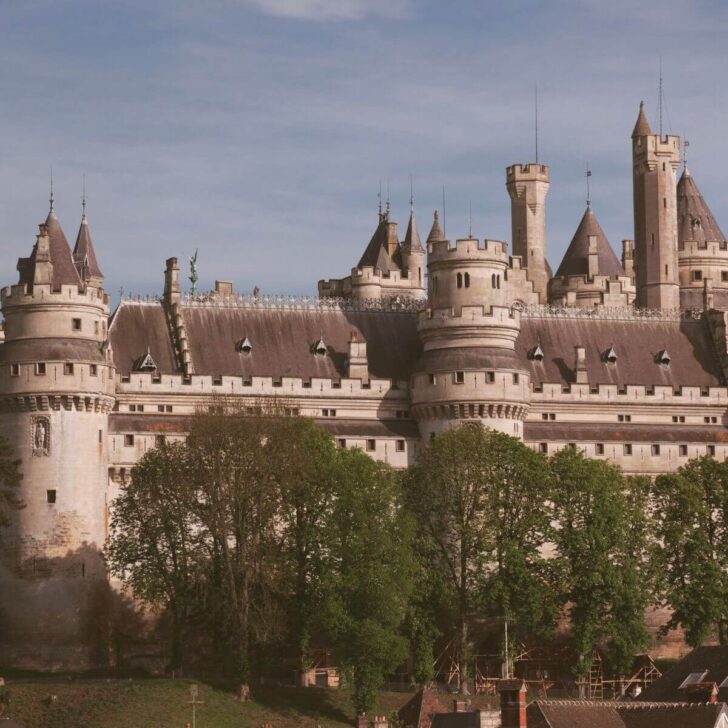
(714, 659)
(377, 253)
(621, 432)
(417, 711)
(412, 237)
(282, 339)
(84, 253)
(695, 221)
(642, 126)
(583, 714)
(576, 258)
(435, 231)
(64, 268)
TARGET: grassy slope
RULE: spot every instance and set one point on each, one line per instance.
(164, 703)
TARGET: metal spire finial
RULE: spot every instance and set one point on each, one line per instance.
(444, 213)
(389, 200)
(379, 197)
(52, 197)
(588, 189)
(412, 196)
(686, 144)
(470, 219)
(83, 200)
(659, 98)
(536, 119)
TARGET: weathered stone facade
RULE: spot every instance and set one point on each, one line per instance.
(383, 360)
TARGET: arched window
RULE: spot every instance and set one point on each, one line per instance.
(467, 280)
(460, 280)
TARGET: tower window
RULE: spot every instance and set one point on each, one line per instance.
(371, 445)
(628, 449)
(459, 377)
(50, 496)
(93, 370)
(697, 275)
(599, 448)
(15, 370)
(655, 450)
(516, 379)
(68, 368)
(159, 440)
(711, 450)
(683, 451)
(341, 442)
(76, 324)
(467, 280)
(129, 440)
(543, 448)
(40, 368)
(96, 327)
(724, 276)
(400, 445)
(490, 377)
(459, 279)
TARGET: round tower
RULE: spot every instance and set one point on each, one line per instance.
(56, 390)
(468, 371)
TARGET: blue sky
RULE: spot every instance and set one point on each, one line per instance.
(258, 130)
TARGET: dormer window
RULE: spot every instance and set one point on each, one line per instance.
(663, 357)
(692, 678)
(243, 346)
(320, 348)
(536, 353)
(145, 363)
(610, 355)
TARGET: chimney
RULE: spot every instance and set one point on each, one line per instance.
(223, 289)
(513, 703)
(171, 282)
(362, 721)
(43, 269)
(702, 692)
(380, 721)
(593, 257)
(628, 258)
(357, 364)
(580, 365)
(460, 706)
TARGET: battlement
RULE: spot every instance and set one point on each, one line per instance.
(527, 173)
(469, 315)
(658, 146)
(24, 295)
(708, 249)
(469, 249)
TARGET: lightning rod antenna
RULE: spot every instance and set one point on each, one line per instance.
(412, 195)
(686, 144)
(659, 97)
(379, 198)
(535, 104)
(588, 190)
(52, 197)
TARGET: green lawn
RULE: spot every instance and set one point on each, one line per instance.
(53, 702)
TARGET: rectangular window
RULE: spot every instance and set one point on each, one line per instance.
(371, 445)
(683, 451)
(697, 275)
(400, 445)
(544, 415)
(433, 379)
(101, 436)
(68, 368)
(516, 378)
(76, 324)
(132, 408)
(459, 377)
(724, 276)
(129, 440)
(15, 370)
(40, 368)
(341, 442)
(490, 377)
(624, 418)
(50, 496)
(600, 448)
(159, 440)
(543, 448)
(628, 449)
(655, 450)
(140, 408)
(96, 328)
(168, 408)
(93, 370)
(160, 408)
(552, 415)
(711, 450)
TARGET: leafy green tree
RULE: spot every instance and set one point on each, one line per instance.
(10, 477)
(481, 499)
(370, 572)
(153, 545)
(602, 549)
(690, 510)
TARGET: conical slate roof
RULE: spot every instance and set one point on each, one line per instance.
(412, 238)
(576, 259)
(642, 127)
(377, 252)
(695, 221)
(59, 252)
(84, 254)
(435, 231)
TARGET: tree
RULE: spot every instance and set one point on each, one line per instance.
(602, 550)
(480, 498)
(370, 577)
(153, 540)
(10, 477)
(690, 510)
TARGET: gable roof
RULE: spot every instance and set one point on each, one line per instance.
(576, 258)
(416, 712)
(695, 221)
(713, 658)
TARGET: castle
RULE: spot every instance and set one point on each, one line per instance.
(627, 360)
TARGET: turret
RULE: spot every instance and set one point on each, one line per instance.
(56, 390)
(654, 161)
(413, 255)
(527, 187)
(468, 371)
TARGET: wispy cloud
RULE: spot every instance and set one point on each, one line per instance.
(321, 10)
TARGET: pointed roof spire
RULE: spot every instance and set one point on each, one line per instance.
(84, 253)
(642, 126)
(412, 240)
(435, 231)
(52, 200)
(576, 258)
(695, 221)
